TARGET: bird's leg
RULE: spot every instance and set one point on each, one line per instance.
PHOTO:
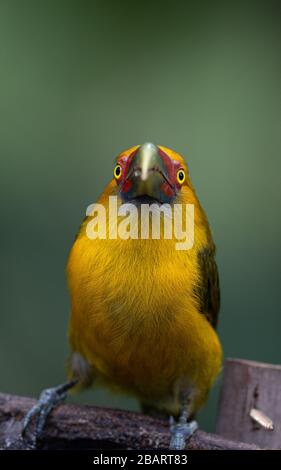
(183, 429)
(48, 400)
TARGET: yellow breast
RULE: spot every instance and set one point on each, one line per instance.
(135, 319)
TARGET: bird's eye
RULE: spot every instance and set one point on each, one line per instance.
(181, 176)
(117, 172)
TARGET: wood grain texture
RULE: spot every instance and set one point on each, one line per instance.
(247, 385)
(72, 426)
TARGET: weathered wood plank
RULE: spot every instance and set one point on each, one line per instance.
(250, 385)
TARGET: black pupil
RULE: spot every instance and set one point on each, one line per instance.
(117, 170)
(181, 175)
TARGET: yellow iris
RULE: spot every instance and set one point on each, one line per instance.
(117, 172)
(181, 176)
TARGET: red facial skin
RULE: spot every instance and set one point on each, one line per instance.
(125, 163)
(169, 188)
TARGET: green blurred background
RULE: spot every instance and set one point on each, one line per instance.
(82, 80)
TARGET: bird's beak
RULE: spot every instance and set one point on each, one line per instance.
(147, 173)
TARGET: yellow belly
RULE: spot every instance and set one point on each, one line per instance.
(135, 320)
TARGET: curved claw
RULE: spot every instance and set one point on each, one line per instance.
(49, 399)
(28, 418)
(180, 433)
(171, 423)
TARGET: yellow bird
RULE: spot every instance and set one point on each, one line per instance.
(143, 312)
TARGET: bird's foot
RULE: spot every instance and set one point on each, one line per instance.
(180, 432)
(48, 400)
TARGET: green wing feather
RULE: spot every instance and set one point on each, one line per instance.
(208, 292)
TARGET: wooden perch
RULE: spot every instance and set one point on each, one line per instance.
(72, 426)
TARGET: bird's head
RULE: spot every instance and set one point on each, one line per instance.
(149, 173)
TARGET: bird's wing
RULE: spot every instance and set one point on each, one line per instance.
(208, 292)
